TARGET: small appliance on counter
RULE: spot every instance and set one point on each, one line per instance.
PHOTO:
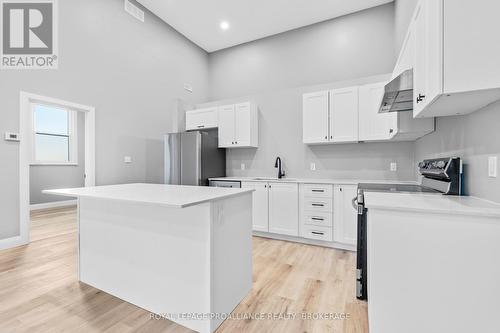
(441, 176)
(191, 158)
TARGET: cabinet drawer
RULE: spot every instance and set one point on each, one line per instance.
(317, 190)
(319, 233)
(318, 219)
(318, 204)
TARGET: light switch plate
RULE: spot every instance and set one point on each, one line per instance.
(492, 166)
(394, 166)
(242, 166)
(313, 166)
(127, 159)
(12, 136)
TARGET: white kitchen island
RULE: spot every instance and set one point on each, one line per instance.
(181, 252)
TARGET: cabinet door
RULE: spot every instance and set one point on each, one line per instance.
(200, 119)
(374, 126)
(315, 117)
(242, 125)
(226, 126)
(344, 115)
(284, 209)
(260, 205)
(345, 219)
(428, 69)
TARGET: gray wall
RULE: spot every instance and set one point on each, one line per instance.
(44, 177)
(131, 72)
(473, 137)
(276, 71)
(352, 46)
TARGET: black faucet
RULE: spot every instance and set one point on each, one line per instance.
(277, 164)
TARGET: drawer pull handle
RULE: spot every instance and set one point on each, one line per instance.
(317, 233)
(318, 205)
(320, 191)
(317, 218)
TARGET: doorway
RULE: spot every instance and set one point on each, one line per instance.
(36, 134)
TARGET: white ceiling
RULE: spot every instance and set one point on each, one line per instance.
(249, 20)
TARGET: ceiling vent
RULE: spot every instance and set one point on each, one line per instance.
(134, 10)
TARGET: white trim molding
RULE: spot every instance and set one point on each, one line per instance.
(8, 243)
(54, 204)
(25, 156)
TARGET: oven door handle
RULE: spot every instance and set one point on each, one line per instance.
(354, 203)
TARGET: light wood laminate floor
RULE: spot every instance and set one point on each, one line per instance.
(39, 291)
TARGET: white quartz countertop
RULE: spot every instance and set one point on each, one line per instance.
(177, 196)
(313, 181)
(432, 203)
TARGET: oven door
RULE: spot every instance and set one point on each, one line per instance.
(361, 256)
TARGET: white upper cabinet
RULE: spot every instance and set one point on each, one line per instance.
(330, 116)
(374, 126)
(284, 208)
(238, 126)
(226, 126)
(201, 119)
(456, 56)
(344, 115)
(315, 117)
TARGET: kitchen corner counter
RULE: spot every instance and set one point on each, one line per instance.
(174, 196)
(432, 203)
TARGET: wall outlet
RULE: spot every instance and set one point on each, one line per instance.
(242, 166)
(127, 159)
(313, 166)
(492, 166)
(394, 166)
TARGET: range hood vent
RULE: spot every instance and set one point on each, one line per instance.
(398, 95)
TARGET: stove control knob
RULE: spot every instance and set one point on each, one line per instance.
(441, 164)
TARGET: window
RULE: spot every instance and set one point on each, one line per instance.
(54, 135)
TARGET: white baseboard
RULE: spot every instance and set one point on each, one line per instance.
(12, 242)
(333, 245)
(55, 204)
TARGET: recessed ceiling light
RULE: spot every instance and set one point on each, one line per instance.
(224, 25)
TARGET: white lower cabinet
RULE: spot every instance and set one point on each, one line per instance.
(260, 216)
(345, 219)
(321, 212)
(275, 207)
(316, 211)
(284, 208)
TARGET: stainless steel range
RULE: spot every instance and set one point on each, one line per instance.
(441, 176)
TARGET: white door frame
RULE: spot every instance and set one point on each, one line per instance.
(25, 155)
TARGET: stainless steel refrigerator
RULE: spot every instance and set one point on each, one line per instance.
(193, 157)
